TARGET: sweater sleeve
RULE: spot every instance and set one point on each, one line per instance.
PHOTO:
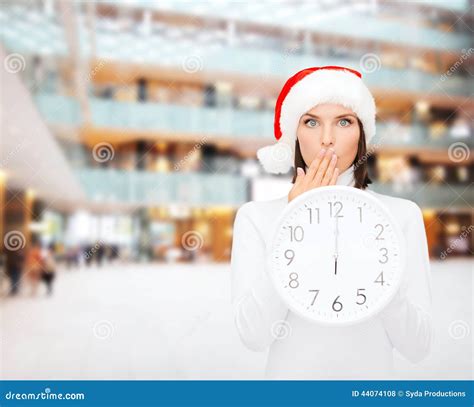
(407, 318)
(258, 309)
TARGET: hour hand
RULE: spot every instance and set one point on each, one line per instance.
(336, 249)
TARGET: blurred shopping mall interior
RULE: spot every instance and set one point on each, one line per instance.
(129, 132)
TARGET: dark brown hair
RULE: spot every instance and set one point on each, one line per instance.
(361, 174)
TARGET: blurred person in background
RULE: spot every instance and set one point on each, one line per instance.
(87, 253)
(406, 173)
(34, 265)
(99, 253)
(72, 256)
(15, 261)
(49, 268)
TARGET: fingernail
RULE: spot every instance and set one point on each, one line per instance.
(299, 171)
(322, 152)
(334, 157)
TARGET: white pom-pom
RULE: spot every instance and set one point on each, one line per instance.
(277, 158)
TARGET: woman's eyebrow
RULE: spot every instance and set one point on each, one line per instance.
(337, 117)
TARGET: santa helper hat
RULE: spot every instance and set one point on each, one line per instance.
(305, 90)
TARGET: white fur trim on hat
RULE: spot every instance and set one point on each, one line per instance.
(321, 86)
(277, 158)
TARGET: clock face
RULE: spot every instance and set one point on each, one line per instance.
(337, 255)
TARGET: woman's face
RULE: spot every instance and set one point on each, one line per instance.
(329, 126)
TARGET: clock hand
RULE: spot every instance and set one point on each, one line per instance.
(336, 253)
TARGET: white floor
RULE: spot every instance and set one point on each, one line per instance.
(175, 322)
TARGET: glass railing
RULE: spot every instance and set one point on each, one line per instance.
(252, 60)
(17, 20)
(266, 63)
(58, 109)
(319, 19)
(454, 5)
(145, 188)
(430, 195)
(219, 122)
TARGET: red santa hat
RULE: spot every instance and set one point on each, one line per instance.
(305, 90)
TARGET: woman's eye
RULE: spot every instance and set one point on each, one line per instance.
(311, 122)
(344, 122)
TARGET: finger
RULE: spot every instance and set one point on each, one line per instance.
(294, 192)
(328, 175)
(335, 174)
(299, 175)
(314, 167)
(322, 168)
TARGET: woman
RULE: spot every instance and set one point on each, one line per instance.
(324, 118)
(49, 268)
(34, 266)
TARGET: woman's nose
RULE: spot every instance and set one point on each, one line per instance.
(327, 138)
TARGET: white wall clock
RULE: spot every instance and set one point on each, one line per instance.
(337, 255)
